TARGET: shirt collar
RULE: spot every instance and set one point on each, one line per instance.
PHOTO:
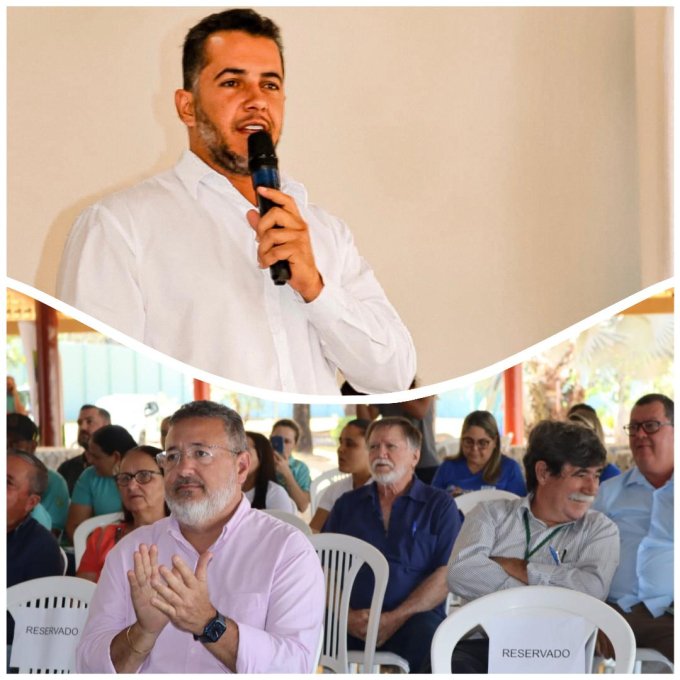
(192, 171)
(228, 529)
(417, 491)
(525, 504)
(635, 477)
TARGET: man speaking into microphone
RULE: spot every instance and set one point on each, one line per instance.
(181, 261)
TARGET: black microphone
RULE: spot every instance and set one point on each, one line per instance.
(264, 169)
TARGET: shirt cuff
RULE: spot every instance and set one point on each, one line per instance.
(540, 574)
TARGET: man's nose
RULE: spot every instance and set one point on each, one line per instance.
(591, 485)
(254, 97)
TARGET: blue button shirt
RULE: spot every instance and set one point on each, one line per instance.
(644, 516)
(455, 472)
(423, 526)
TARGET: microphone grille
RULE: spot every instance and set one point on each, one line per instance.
(261, 151)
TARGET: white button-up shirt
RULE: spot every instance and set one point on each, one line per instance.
(172, 262)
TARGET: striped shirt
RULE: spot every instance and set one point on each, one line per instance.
(588, 548)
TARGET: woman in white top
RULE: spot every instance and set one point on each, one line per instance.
(352, 458)
(260, 488)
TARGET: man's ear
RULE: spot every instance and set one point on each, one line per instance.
(243, 465)
(31, 502)
(184, 103)
(542, 472)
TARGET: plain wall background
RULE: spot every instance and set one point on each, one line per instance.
(505, 171)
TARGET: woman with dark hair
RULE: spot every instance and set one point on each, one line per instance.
(95, 492)
(260, 487)
(140, 483)
(352, 458)
(480, 463)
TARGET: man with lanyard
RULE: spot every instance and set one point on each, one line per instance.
(550, 538)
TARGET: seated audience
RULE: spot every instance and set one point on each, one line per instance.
(140, 484)
(96, 492)
(90, 419)
(291, 473)
(216, 587)
(32, 551)
(583, 414)
(165, 426)
(353, 459)
(260, 487)
(549, 538)
(22, 435)
(640, 502)
(14, 403)
(414, 526)
(480, 463)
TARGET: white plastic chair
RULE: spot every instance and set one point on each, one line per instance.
(84, 529)
(291, 519)
(467, 501)
(524, 601)
(341, 558)
(51, 592)
(652, 656)
(65, 560)
(321, 483)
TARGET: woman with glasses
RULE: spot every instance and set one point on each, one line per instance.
(140, 483)
(260, 487)
(480, 463)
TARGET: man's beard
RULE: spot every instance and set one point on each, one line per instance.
(386, 478)
(197, 512)
(217, 146)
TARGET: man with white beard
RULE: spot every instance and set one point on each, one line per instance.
(414, 525)
(551, 537)
(216, 587)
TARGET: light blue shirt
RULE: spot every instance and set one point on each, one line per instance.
(644, 516)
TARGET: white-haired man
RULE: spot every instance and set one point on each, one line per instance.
(216, 586)
(414, 525)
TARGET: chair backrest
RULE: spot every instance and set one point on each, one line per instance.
(50, 593)
(321, 483)
(467, 501)
(526, 601)
(84, 529)
(64, 557)
(291, 519)
(341, 558)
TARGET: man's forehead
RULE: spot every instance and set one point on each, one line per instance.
(654, 409)
(236, 49)
(568, 468)
(199, 430)
(391, 432)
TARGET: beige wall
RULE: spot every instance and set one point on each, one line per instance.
(497, 166)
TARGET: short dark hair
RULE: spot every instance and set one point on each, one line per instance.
(113, 438)
(101, 411)
(38, 479)
(667, 402)
(360, 423)
(233, 424)
(413, 436)
(287, 422)
(22, 426)
(557, 443)
(246, 20)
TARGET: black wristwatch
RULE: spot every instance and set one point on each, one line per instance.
(213, 630)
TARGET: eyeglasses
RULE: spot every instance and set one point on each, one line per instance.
(201, 453)
(141, 477)
(649, 426)
(481, 444)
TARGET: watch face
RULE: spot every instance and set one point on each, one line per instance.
(215, 629)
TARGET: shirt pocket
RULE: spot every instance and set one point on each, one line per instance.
(417, 550)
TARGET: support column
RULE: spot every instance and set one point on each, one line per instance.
(49, 376)
(201, 390)
(513, 419)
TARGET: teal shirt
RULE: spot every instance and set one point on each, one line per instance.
(100, 493)
(300, 473)
(56, 499)
(40, 515)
